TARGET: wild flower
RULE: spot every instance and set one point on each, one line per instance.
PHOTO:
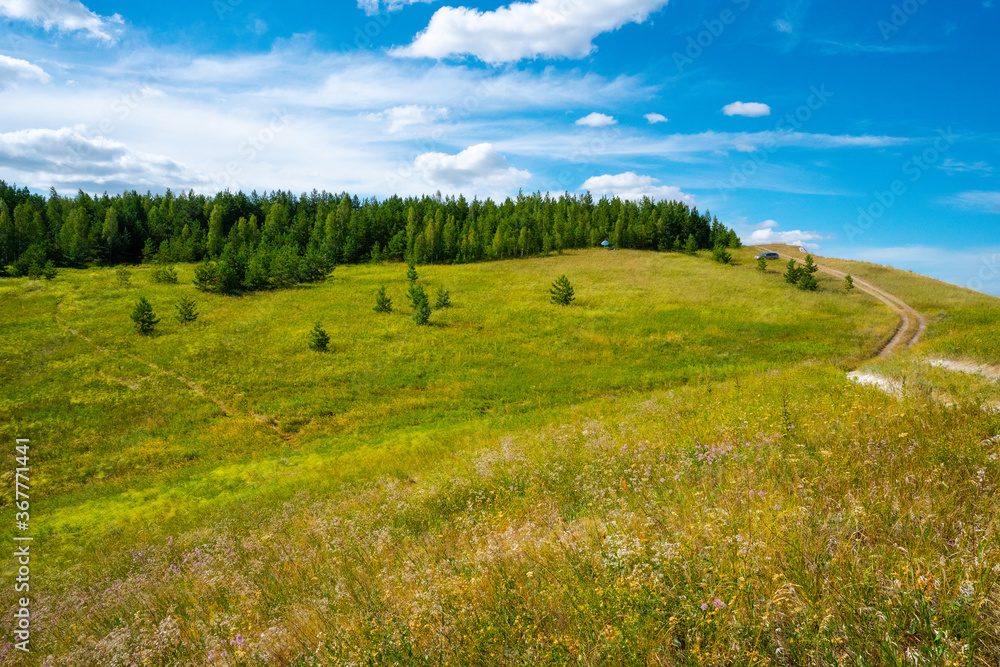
(718, 604)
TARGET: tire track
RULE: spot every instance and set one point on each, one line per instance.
(227, 410)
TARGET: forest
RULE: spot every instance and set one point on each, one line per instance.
(252, 242)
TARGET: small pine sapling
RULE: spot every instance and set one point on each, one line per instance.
(808, 282)
(848, 282)
(721, 254)
(691, 246)
(187, 311)
(443, 299)
(420, 303)
(123, 275)
(793, 273)
(562, 292)
(165, 273)
(810, 267)
(49, 270)
(411, 273)
(319, 339)
(762, 265)
(143, 316)
(383, 304)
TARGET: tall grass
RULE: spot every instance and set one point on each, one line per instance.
(673, 471)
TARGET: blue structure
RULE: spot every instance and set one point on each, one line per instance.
(607, 246)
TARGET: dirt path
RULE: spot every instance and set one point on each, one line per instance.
(228, 411)
(912, 323)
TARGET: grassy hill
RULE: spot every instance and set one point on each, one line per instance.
(673, 470)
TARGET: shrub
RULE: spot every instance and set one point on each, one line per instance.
(411, 273)
(49, 271)
(562, 292)
(848, 282)
(691, 246)
(762, 265)
(383, 304)
(144, 317)
(319, 339)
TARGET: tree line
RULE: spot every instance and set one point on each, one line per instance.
(248, 242)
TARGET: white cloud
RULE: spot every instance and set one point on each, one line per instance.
(479, 166)
(955, 167)
(749, 109)
(69, 155)
(542, 28)
(372, 7)
(976, 200)
(65, 15)
(767, 232)
(783, 26)
(655, 118)
(12, 69)
(597, 120)
(630, 185)
(407, 115)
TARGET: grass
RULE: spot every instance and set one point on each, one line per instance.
(674, 470)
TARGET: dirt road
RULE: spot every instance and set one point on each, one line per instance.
(912, 323)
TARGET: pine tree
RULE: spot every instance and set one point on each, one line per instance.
(721, 254)
(49, 270)
(562, 292)
(420, 303)
(124, 276)
(165, 273)
(691, 246)
(762, 265)
(810, 267)
(411, 273)
(319, 339)
(808, 282)
(793, 273)
(848, 282)
(206, 276)
(383, 304)
(443, 299)
(144, 317)
(187, 311)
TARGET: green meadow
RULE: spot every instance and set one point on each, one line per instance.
(673, 470)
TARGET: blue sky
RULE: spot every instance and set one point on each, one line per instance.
(862, 129)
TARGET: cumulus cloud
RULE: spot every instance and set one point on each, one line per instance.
(542, 28)
(976, 200)
(749, 109)
(401, 117)
(12, 69)
(64, 15)
(630, 185)
(597, 120)
(68, 155)
(655, 118)
(477, 166)
(767, 232)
